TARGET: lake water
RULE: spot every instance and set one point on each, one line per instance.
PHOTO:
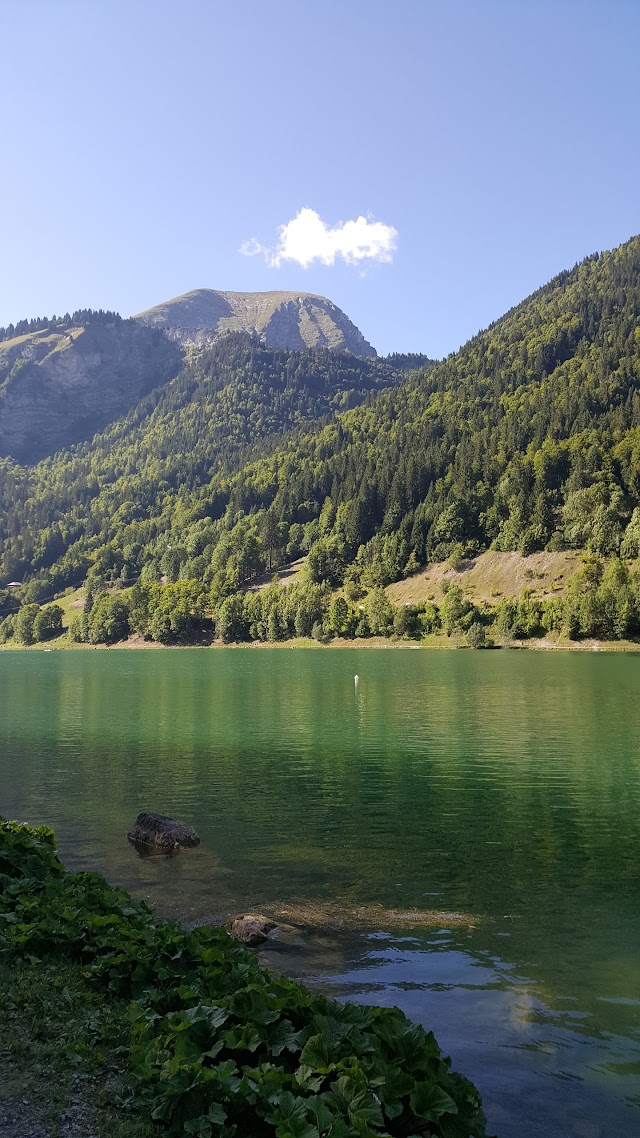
(500, 790)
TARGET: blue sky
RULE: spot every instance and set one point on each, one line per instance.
(146, 142)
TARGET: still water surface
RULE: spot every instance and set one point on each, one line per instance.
(501, 789)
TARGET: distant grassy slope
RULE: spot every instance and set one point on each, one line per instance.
(490, 576)
(70, 604)
(486, 578)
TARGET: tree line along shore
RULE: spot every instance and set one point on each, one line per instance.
(599, 601)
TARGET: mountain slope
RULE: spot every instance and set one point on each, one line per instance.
(224, 406)
(527, 438)
(60, 384)
(280, 319)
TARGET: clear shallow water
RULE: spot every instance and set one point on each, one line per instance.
(504, 787)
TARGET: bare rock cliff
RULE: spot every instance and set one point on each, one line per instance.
(57, 388)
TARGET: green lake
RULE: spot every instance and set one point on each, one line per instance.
(500, 790)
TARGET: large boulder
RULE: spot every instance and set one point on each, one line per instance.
(157, 832)
(251, 928)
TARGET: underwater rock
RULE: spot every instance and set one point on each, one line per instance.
(251, 928)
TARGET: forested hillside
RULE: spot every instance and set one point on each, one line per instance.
(227, 403)
(528, 438)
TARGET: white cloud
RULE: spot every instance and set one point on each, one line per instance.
(307, 238)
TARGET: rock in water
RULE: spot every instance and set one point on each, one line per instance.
(251, 928)
(161, 833)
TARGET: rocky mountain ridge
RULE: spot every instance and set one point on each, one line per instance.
(280, 319)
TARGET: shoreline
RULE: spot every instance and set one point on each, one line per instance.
(149, 1021)
(436, 642)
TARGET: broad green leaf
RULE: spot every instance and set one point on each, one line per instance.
(317, 1055)
(430, 1102)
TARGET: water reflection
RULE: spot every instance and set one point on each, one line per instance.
(542, 1070)
(502, 787)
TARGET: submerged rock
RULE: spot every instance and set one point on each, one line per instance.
(157, 832)
(251, 928)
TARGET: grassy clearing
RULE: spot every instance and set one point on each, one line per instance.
(490, 577)
(43, 336)
(285, 575)
(70, 604)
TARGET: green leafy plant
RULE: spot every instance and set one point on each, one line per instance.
(220, 1046)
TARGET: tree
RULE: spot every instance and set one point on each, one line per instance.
(24, 621)
(79, 628)
(362, 628)
(247, 559)
(273, 537)
(231, 624)
(47, 623)
(631, 541)
(338, 615)
(455, 611)
(619, 614)
(170, 563)
(35, 592)
(528, 615)
(428, 619)
(306, 604)
(405, 621)
(379, 612)
(139, 605)
(325, 561)
(176, 610)
(594, 518)
(109, 619)
(477, 635)
(275, 625)
(6, 628)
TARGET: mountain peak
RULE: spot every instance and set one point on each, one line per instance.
(281, 319)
